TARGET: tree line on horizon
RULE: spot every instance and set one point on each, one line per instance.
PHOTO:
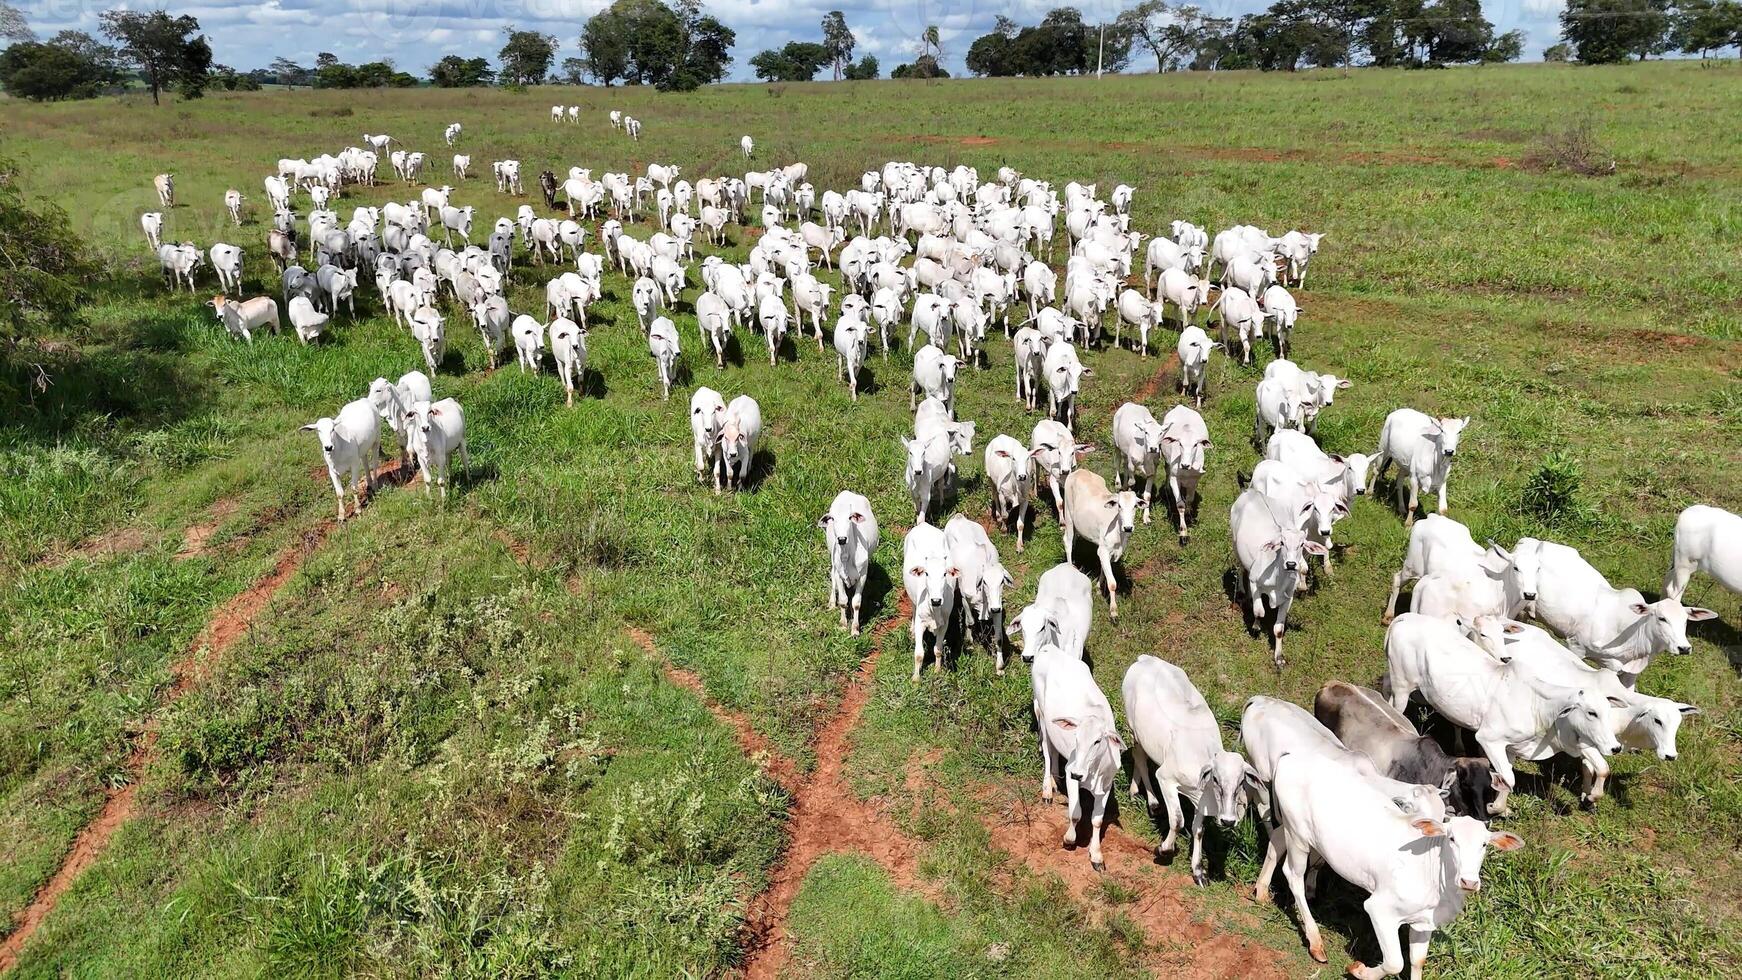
(676, 45)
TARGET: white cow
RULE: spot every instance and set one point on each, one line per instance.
(1271, 556)
(739, 434)
(1056, 453)
(242, 318)
(1010, 471)
(393, 403)
(528, 342)
(1103, 518)
(1185, 438)
(1506, 582)
(1707, 539)
(931, 583)
(714, 320)
(850, 532)
(152, 223)
(451, 134)
(428, 328)
(350, 444)
(1297, 449)
(929, 468)
(707, 418)
(1417, 871)
(438, 431)
(462, 163)
(748, 145)
(1173, 727)
(233, 204)
(1138, 438)
(1060, 616)
(165, 184)
(568, 345)
(1513, 713)
(1194, 360)
(980, 580)
(307, 321)
(772, 317)
(1616, 628)
(1063, 373)
(662, 343)
(851, 342)
(1423, 448)
(1077, 732)
(934, 376)
(1276, 409)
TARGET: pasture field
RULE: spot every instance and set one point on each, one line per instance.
(505, 735)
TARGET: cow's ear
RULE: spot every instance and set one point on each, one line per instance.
(825, 520)
(1512, 629)
(1639, 608)
(1505, 840)
(1697, 614)
(1496, 782)
(310, 427)
(1615, 702)
(1117, 743)
(1688, 709)
(1065, 724)
(1428, 828)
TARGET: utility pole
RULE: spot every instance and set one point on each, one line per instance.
(1100, 51)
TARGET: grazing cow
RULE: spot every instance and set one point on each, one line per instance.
(1103, 518)
(1707, 539)
(241, 319)
(1616, 628)
(1423, 448)
(1513, 713)
(1271, 728)
(934, 376)
(932, 584)
(1138, 438)
(1271, 556)
(308, 322)
(227, 263)
(662, 344)
(165, 184)
(1194, 361)
(1010, 471)
(1367, 723)
(1185, 438)
(350, 444)
(851, 342)
(1064, 373)
(739, 434)
(568, 344)
(1076, 731)
(437, 431)
(980, 581)
(1173, 727)
(850, 532)
(1504, 582)
(428, 328)
(1417, 871)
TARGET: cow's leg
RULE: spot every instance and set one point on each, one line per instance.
(1385, 927)
(1098, 823)
(1175, 819)
(858, 603)
(1199, 876)
(1112, 583)
(1294, 870)
(1073, 807)
(1495, 750)
(1046, 781)
(919, 652)
(1272, 857)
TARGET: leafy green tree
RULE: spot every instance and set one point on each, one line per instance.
(289, 73)
(1702, 26)
(605, 39)
(1173, 35)
(71, 66)
(574, 71)
(525, 56)
(838, 39)
(13, 26)
(646, 42)
(1561, 52)
(1506, 47)
(46, 266)
(1608, 31)
(453, 71)
(798, 61)
(165, 50)
(924, 66)
(864, 69)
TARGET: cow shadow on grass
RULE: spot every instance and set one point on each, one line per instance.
(592, 384)
(1724, 636)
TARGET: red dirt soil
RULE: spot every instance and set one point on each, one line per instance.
(228, 624)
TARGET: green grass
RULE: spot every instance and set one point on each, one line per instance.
(430, 758)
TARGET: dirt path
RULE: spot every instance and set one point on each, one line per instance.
(827, 818)
(229, 623)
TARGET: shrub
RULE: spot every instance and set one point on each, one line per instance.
(1572, 149)
(1551, 494)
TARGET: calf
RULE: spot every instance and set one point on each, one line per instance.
(931, 583)
(850, 532)
(1616, 628)
(739, 433)
(1173, 727)
(1270, 556)
(437, 431)
(1707, 539)
(980, 581)
(1513, 713)
(1422, 447)
(1367, 723)
(1185, 438)
(1101, 517)
(1406, 864)
(1076, 731)
(350, 444)
(1010, 471)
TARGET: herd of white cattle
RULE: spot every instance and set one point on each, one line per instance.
(1351, 783)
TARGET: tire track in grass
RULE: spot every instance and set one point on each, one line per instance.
(229, 623)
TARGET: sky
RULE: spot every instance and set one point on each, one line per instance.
(415, 33)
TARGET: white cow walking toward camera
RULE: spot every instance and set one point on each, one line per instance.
(662, 344)
(1010, 470)
(437, 432)
(931, 583)
(350, 444)
(739, 434)
(850, 532)
(1423, 448)
(1271, 557)
(1103, 518)
(1077, 734)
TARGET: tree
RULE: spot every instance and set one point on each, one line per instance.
(646, 42)
(1561, 52)
(798, 61)
(73, 65)
(838, 40)
(924, 66)
(1700, 26)
(1607, 31)
(453, 71)
(46, 266)
(990, 55)
(165, 50)
(13, 26)
(605, 39)
(1172, 34)
(865, 69)
(289, 73)
(525, 57)
(1506, 47)
(574, 71)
